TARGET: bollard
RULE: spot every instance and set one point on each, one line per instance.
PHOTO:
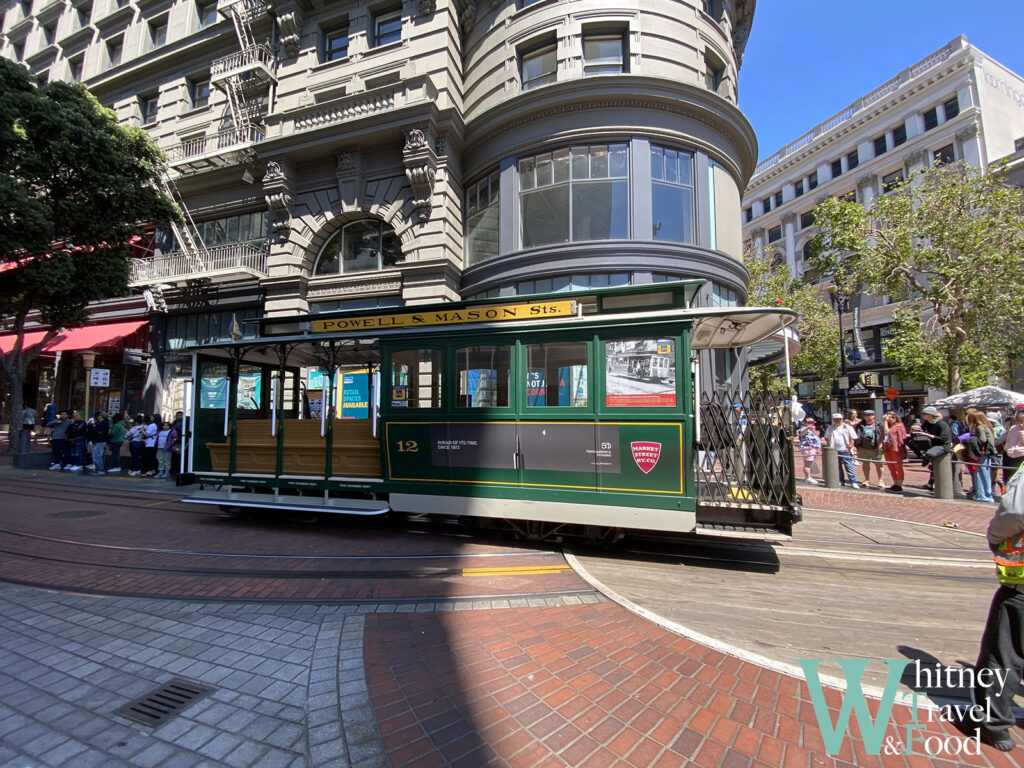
(942, 474)
(830, 466)
(956, 468)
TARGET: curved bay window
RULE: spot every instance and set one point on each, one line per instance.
(575, 194)
(482, 220)
(672, 195)
(362, 246)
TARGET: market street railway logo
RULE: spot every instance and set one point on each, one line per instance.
(646, 455)
(910, 737)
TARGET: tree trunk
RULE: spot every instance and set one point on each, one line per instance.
(954, 378)
(16, 377)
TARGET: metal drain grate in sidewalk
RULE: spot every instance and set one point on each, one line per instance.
(163, 703)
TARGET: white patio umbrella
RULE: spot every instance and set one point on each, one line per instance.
(982, 397)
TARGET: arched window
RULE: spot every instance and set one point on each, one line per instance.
(362, 246)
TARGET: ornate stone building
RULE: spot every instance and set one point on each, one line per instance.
(957, 104)
(362, 154)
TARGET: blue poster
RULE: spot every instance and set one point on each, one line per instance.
(355, 395)
(213, 392)
(536, 387)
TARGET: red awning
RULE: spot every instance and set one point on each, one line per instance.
(74, 339)
(32, 337)
(92, 336)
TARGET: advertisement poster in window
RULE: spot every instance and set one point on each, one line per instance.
(536, 387)
(572, 385)
(315, 398)
(640, 373)
(355, 394)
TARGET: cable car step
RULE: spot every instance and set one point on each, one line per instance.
(725, 530)
(299, 503)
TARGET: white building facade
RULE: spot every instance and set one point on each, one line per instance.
(364, 154)
(955, 105)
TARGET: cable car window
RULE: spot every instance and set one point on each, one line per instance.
(640, 373)
(483, 376)
(416, 378)
(556, 374)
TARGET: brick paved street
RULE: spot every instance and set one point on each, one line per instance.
(521, 669)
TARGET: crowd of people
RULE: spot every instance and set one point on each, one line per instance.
(98, 445)
(990, 448)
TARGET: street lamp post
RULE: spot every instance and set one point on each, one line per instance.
(840, 299)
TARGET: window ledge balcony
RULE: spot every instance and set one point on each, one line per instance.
(221, 263)
(358, 106)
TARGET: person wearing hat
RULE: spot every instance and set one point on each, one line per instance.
(869, 444)
(942, 441)
(99, 433)
(843, 438)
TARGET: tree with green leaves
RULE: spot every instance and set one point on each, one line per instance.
(771, 284)
(950, 243)
(75, 186)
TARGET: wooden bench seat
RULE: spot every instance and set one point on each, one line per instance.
(356, 452)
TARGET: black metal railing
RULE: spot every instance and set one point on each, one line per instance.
(743, 464)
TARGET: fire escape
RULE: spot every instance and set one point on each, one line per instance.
(245, 77)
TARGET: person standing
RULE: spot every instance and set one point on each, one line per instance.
(810, 449)
(980, 448)
(136, 444)
(843, 437)
(1013, 448)
(149, 433)
(869, 443)
(77, 436)
(99, 433)
(894, 449)
(117, 435)
(1000, 650)
(163, 450)
(177, 442)
(58, 440)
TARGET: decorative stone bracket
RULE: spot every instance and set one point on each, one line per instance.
(289, 25)
(420, 162)
(277, 191)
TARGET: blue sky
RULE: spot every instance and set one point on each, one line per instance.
(808, 59)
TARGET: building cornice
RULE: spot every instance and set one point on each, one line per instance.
(630, 95)
(891, 96)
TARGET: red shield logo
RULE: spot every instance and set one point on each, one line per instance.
(646, 455)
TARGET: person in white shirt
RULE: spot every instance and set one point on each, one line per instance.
(149, 434)
(842, 437)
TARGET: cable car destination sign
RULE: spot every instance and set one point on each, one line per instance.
(497, 313)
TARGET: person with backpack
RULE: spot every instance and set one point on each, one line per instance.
(980, 448)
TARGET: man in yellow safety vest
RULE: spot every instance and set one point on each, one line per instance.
(1002, 643)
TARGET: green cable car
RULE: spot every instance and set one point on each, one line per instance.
(555, 414)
